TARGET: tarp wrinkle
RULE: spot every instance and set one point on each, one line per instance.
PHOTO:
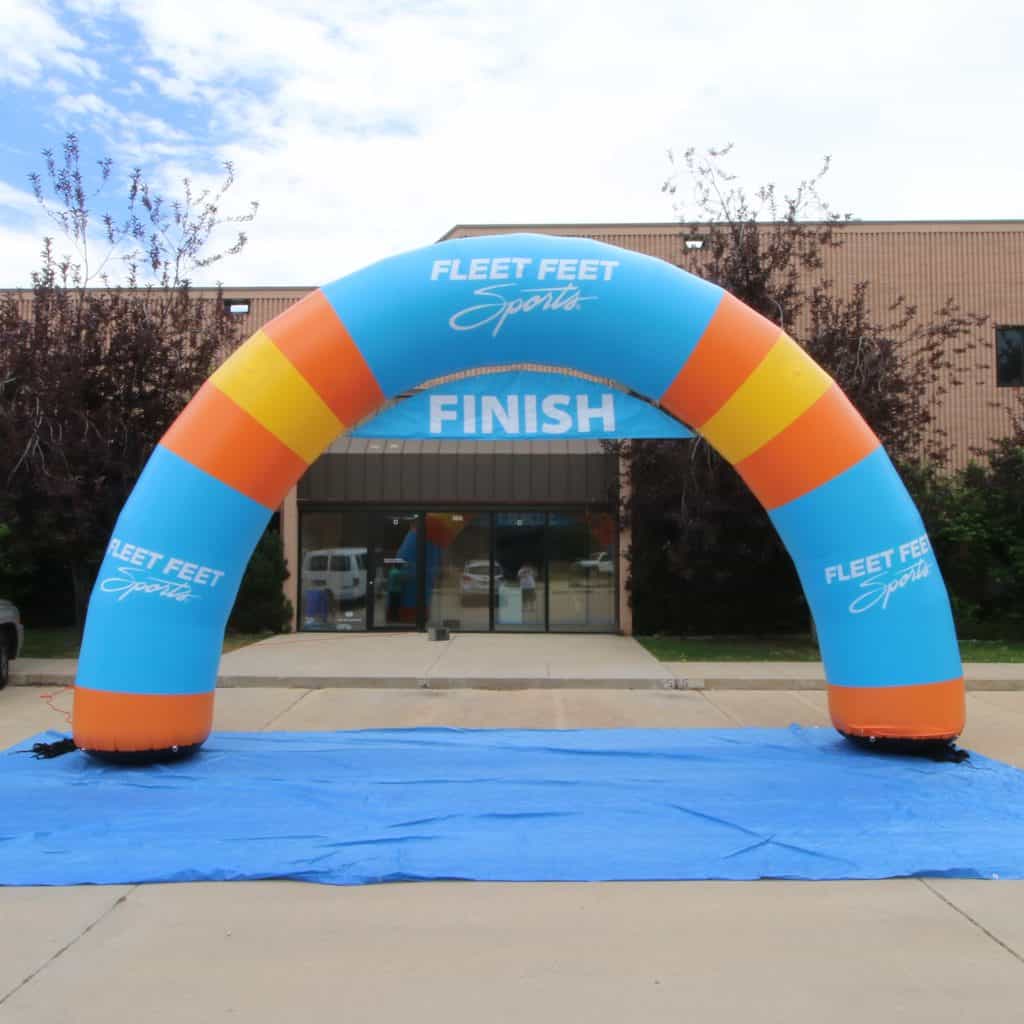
(357, 807)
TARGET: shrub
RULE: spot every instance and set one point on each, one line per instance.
(261, 605)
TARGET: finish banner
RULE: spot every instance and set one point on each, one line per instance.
(523, 405)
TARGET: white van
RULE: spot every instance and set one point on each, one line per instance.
(342, 571)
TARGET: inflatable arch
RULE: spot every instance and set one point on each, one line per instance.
(157, 614)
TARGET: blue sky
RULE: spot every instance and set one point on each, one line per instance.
(366, 128)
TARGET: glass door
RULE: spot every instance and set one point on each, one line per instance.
(459, 587)
(520, 571)
(395, 582)
(333, 574)
(582, 577)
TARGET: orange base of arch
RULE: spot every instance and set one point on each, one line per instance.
(129, 722)
(931, 711)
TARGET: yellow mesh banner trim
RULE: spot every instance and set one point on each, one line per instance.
(260, 379)
(785, 384)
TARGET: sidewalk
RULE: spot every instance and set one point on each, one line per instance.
(495, 661)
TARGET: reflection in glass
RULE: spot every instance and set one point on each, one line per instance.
(357, 561)
(581, 571)
(395, 582)
(519, 571)
(333, 573)
(459, 570)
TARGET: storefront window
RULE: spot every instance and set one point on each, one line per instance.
(459, 587)
(395, 570)
(582, 571)
(333, 574)
(519, 571)
(471, 571)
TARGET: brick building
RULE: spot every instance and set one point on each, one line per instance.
(551, 506)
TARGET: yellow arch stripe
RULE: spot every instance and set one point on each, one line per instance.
(260, 378)
(785, 384)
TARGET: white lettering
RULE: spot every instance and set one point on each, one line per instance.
(858, 567)
(499, 268)
(130, 581)
(530, 413)
(605, 412)
(515, 415)
(567, 270)
(916, 548)
(491, 408)
(482, 268)
(547, 266)
(877, 590)
(554, 407)
(133, 553)
(441, 411)
(883, 573)
(501, 305)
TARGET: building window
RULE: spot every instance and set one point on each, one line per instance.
(236, 307)
(1010, 357)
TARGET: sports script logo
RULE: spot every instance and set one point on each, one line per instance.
(883, 574)
(154, 573)
(550, 285)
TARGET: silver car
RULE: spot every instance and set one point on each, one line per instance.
(475, 584)
(11, 636)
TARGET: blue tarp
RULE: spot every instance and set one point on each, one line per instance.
(525, 805)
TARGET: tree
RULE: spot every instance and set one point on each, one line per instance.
(976, 522)
(97, 365)
(261, 605)
(705, 556)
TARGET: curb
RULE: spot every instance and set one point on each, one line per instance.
(512, 683)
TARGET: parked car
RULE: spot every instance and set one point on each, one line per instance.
(11, 637)
(475, 583)
(342, 571)
(600, 562)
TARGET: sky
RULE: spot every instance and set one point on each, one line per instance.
(366, 128)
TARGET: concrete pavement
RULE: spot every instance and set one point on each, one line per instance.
(906, 950)
(495, 661)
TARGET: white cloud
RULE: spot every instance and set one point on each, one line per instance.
(35, 42)
(19, 256)
(365, 128)
(86, 103)
(17, 199)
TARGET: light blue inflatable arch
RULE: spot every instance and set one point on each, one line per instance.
(157, 615)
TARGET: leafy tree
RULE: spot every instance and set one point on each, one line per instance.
(705, 556)
(261, 605)
(98, 364)
(976, 522)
